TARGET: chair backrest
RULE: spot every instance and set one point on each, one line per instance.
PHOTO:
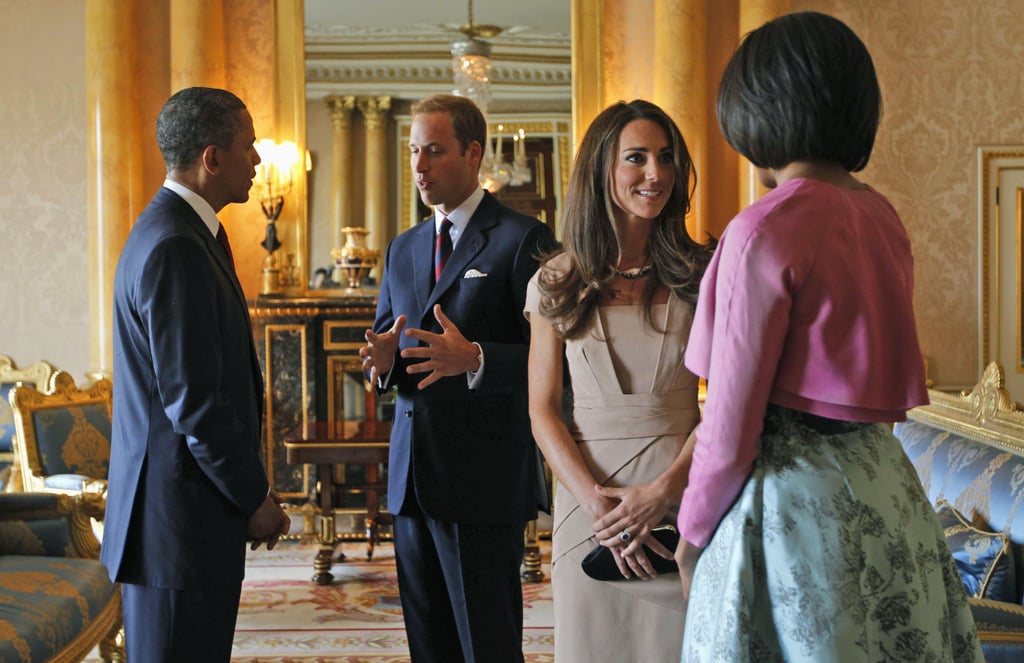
(65, 432)
(37, 375)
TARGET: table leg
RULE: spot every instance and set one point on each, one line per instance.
(372, 509)
(327, 538)
(531, 571)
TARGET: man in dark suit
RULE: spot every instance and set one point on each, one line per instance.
(186, 485)
(462, 469)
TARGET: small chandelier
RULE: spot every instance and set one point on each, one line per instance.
(495, 172)
(471, 69)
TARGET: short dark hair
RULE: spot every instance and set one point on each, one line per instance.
(802, 86)
(467, 119)
(193, 119)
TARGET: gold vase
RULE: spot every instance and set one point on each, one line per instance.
(354, 258)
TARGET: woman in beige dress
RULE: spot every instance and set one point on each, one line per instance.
(617, 302)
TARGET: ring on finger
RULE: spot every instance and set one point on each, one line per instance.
(625, 536)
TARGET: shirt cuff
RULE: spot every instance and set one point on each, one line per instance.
(384, 380)
(473, 378)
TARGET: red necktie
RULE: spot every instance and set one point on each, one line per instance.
(442, 248)
(222, 237)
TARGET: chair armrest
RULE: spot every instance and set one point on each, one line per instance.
(49, 524)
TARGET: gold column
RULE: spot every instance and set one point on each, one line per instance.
(375, 112)
(614, 58)
(341, 153)
(612, 52)
(627, 48)
(197, 44)
(754, 14)
(586, 63)
(290, 124)
(115, 167)
(681, 87)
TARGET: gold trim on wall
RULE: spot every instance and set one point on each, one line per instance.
(1019, 227)
(334, 324)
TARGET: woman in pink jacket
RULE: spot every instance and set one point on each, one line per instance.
(815, 539)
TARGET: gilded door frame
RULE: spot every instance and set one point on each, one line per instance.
(993, 230)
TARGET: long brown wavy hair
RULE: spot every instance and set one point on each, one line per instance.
(590, 238)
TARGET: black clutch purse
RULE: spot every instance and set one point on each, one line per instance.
(600, 565)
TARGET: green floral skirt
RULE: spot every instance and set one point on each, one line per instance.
(830, 553)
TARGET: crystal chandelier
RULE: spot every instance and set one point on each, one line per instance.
(471, 69)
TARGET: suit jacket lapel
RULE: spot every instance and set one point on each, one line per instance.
(214, 247)
(423, 261)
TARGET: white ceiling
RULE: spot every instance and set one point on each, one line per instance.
(544, 16)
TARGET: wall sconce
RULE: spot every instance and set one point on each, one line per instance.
(272, 183)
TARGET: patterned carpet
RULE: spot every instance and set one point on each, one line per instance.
(285, 618)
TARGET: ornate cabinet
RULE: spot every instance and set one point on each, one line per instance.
(309, 351)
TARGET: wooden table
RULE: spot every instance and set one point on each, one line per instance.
(325, 445)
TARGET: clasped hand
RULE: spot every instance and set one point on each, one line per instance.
(269, 523)
(447, 353)
(636, 510)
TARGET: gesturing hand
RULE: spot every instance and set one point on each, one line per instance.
(378, 354)
(447, 353)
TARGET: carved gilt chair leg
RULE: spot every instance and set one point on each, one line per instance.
(112, 645)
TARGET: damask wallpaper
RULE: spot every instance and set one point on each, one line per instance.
(44, 280)
(950, 74)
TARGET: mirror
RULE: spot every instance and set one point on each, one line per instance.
(364, 66)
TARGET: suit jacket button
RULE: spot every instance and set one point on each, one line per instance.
(408, 414)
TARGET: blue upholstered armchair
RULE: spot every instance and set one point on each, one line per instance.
(37, 375)
(56, 600)
(63, 437)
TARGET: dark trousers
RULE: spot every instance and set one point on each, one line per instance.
(172, 626)
(461, 594)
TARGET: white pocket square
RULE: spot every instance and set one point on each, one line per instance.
(473, 274)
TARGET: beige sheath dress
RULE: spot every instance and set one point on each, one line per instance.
(635, 403)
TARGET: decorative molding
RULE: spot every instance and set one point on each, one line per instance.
(987, 412)
(307, 311)
(501, 73)
(341, 108)
(510, 37)
(374, 110)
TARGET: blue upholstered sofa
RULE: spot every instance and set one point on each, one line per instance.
(56, 601)
(968, 451)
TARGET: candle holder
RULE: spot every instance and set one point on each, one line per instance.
(354, 259)
(271, 283)
(272, 183)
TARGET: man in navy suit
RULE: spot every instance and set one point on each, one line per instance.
(186, 485)
(462, 469)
